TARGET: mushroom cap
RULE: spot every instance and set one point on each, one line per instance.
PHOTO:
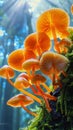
(38, 78)
(63, 45)
(51, 62)
(65, 41)
(21, 83)
(6, 70)
(56, 18)
(30, 42)
(30, 64)
(24, 75)
(16, 100)
(43, 41)
(17, 57)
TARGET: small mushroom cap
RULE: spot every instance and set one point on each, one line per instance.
(51, 62)
(30, 42)
(16, 100)
(21, 83)
(56, 18)
(6, 70)
(63, 45)
(38, 78)
(65, 42)
(17, 57)
(30, 64)
(24, 75)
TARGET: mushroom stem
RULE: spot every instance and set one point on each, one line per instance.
(34, 90)
(28, 111)
(54, 35)
(33, 70)
(46, 97)
(47, 104)
(55, 39)
(43, 94)
(28, 72)
(57, 48)
(50, 97)
(24, 92)
(46, 87)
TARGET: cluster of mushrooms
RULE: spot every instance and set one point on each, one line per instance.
(36, 56)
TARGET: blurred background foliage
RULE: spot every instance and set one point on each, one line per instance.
(17, 21)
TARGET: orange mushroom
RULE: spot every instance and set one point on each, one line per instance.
(31, 65)
(6, 71)
(21, 83)
(40, 79)
(22, 90)
(54, 23)
(21, 100)
(20, 87)
(53, 64)
(63, 45)
(17, 57)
